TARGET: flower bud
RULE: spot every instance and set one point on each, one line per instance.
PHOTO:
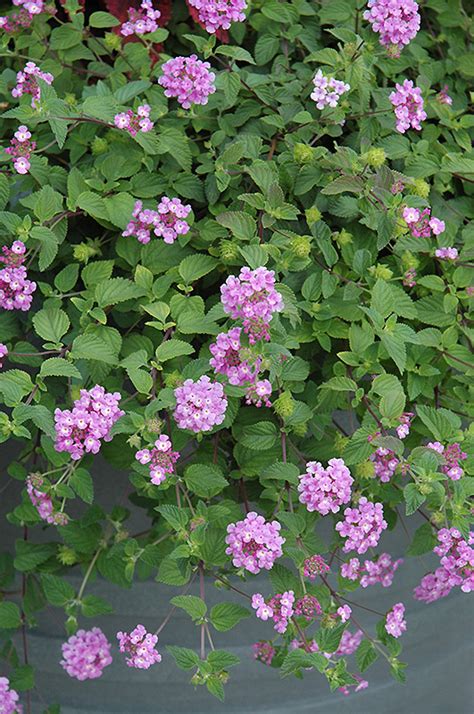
(340, 442)
(66, 555)
(173, 379)
(303, 154)
(381, 272)
(374, 158)
(228, 251)
(99, 146)
(409, 260)
(83, 252)
(420, 188)
(343, 237)
(300, 429)
(112, 41)
(154, 426)
(365, 470)
(134, 441)
(300, 246)
(313, 215)
(284, 406)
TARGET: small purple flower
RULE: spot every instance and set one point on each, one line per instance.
(139, 645)
(161, 459)
(362, 526)
(189, 79)
(219, 14)
(254, 543)
(396, 21)
(327, 90)
(141, 20)
(9, 699)
(16, 291)
(325, 490)
(395, 623)
(86, 654)
(447, 253)
(408, 104)
(27, 82)
(201, 405)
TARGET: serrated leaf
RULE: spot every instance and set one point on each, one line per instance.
(366, 655)
(196, 266)
(57, 590)
(205, 480)
(194, 606)
(116, 290)
(226, 615)
(58, 367)
(51, 324)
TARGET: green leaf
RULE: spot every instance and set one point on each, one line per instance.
(442, 423)
(116, 290)
(382, 299)
(30, 555)
(298, 659)
(174, 572)
(49, 245)
(280, 471)
(67, 278)
(392, 404)
(283, 579)
(103, 19)
(366, 655)
(48, 203)
(176, 517)
(14, 385)
(215, 687)
(352, 184)
(184, 657)
(81, 481)
(4, 192)
(205, 480)
(194, 606)
(328, 639)
(423, 541)
(51, 324)
(92, 606)
(295, 369)
(174, 142)
(58, 592)
(173, 348)
(58, 367)
(220, 659)
(91, 346)
(413, 498)
(196, 266)
(39, 415)
(23, 678)
(10, 617)
(260, 436)
(240, 224)
(93, 204)
(226, 615)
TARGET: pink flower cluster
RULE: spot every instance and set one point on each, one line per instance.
(24, 17)
(362, 526)
(315, 565)
(259, 393)
(396, 21)
(189, 79)
(219, 14)
(254, 543)
(42, 501)
(231, 358)
(264, 652)
(456, 567)
(80, 430)
(447, 253)
(3, 353)
(404, 427)
(361, 684)
(349, 643)
(139, 645)
(9, 699)
(344, 612)
(141, 20)
(135, 122)
(452, 456)
(167, 221)
(20, 149)
(308, 607)
(421, 224)
(16, 291)
(395, 623)
(385, 463)
(161, 459)
(327, 90)
(443, 96)
(325, 490)
(371, 572)
(252, 296)
(408, 104)
(201, 405)
(86, 654)
(27, 82)
(279, 608)
(409, 278)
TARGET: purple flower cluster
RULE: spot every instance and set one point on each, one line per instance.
(408, 104)
(404, 427)
(3, 353)
(201, 405)
(139, 645)
(42, 501)
(395, 623)
(361, 684)
(24, 17)
(264, 651)
(279, 608)
(254, 543)
(325, 490)
(362, 526)
(385, 463)
(161, 459)
(349, 642)
(308, 607)
(315, 565)
(141, 20)
(231, 358)
(396, 21)
(16, 291)
(27, 82)
(252, 297)
(167, 221)
(344, 612)
(189, 79)
(327, 90)
(9, 699)
(452, 456)
(80, 430)
(447, 253)
(443, 96)
(135, 122)
(409, 278)
(259, 393)
(371, 572)
(86, 654)
(421, 224)
(219, 14)
(456, 567)
(20, 149)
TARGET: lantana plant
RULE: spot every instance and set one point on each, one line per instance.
(236, 252)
